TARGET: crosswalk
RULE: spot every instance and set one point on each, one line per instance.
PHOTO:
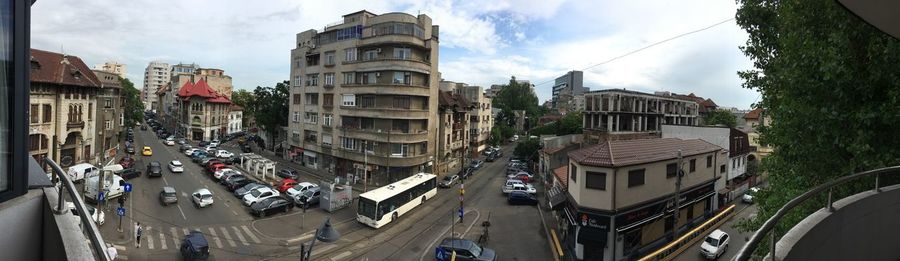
(218, 237)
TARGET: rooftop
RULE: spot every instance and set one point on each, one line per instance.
(620, 153)
(57, 68)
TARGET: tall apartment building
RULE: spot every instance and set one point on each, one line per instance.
(623, 114)
(368, 83)
(454, 145)
(155, 76)
(480, 119)
(115, 67)
(110, 113)
(566, 88)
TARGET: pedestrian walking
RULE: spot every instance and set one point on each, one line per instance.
(138, 231)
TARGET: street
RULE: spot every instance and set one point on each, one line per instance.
(738, 239)
(233, 234)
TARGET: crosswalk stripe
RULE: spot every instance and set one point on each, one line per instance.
(162, 240)
(174, 232)
(252, 236)
(240, 236)
(149, 240)
(120, 257)
(119, 248)
(212, 231)
(228, 237)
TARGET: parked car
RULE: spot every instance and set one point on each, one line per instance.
(129, 150)
(749, 194)
(224, 154)
(237, 182)
(215, 143)
(202, 198)
(465, 250)
(285, 184)
(220, 173)
(128, 173)
(288, 174)
(517, 185)
(476, 164)
(127, 162)
(194, 246)
(176, 166)
(184, 148)
(299, 188)
(170, 141)
(190, 151)
(97, 216)
(231, 176)
(143, 127)
(465, 172)
(228, 160)
(147, 151)
(448, 181)
(168, 195)
(523, 176)
(490, 157)
(271, 206)
(521, 198)
(308, 198)
(247, 188)
(258, 194)
(154, 169)
(182, 141)
(204, 162)
(215, 167)
(203, 144)
(715, 244)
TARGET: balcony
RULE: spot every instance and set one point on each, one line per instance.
(394, 64)
(381, 159)
(458, 125)
(391, 39)
(388, 88)
(388, 113)
(74, 125)
(385, 136)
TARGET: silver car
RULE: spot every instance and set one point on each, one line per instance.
(309, 197)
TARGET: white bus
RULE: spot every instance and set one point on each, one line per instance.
(383, 205)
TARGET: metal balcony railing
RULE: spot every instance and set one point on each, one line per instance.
(768, 227)
(92, 231)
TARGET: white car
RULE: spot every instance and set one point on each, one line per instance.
(176, 166)
(202, 198)
(300, 188)
(715, 244)
(170, 141)
(214, 143)
(517, 185)
(191, 151)
(98, 216)
(258, 194)
(221, 173)
(749, 194)
(224, 154)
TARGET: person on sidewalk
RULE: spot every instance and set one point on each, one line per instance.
(138, 231)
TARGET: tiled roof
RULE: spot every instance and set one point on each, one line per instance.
(449, 100)
(219, 99)
(200, 88)
(562, 174)
(56, 68)
(163, 89)
(754, 114)
(709, 103)
(631, 152)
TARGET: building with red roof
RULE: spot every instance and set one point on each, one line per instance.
(204, 114)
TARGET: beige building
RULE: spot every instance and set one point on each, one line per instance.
(156, 75)
(203, 113)
(110, 114)
(619, 195)
(115, 67)
(368, 83)
(623, 114)
(61, 113)
(454, 146)
(480, 118)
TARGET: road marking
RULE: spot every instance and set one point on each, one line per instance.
(175, 237)
(120, 257)
(240, 236)
(149, 239)
(252, 236)
(164, 180)
(119, 248)
(215, 236)
(235, 213)
(228, 237)
(341, 256)
(224, 202)
(303, 238)
(162, 240)
(181, 211)
(323, 249)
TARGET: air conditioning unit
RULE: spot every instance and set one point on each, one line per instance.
(378, 74)
(378, 50)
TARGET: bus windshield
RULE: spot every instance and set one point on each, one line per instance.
(367, 208)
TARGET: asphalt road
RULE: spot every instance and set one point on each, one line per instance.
(738, 238)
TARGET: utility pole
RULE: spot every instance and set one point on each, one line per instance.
(678, 175)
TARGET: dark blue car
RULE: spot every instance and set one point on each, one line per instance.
(521, 198)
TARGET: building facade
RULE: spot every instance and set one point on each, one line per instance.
(734, 169)
(115, 67)
(619, 195)
(203, 112)
(155, 76)
(110, 114)
(61, 112)
(454, 147)
(566, 89)
(480, 118)
(622, 114)
(235, 119)
(363, 97)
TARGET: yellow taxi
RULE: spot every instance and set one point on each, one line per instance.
(147, 151)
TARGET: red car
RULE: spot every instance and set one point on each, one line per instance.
(127, 162)
(216, 166)
(524, 177)
(211, 163)
(285, 184)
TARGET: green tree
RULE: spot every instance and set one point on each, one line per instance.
(569, 124)
(720, 116)
(829, 85)
(528, 148)
(273, 113)
(246, 100)
(516, 96)
(134, 108)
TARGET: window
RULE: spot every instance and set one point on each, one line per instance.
(401, 78)
(350, 54)
(48, 113)
(312, 60)
(367, 101)
(312, 79)
(326, 140)
(733, 164)
(297, 82)
(297, 63)
(370, 78)
(296, 117)
(108, 124)
(400, 125)
(595, 180)
(399, 149)
(370, 55)
(311, 117)
(35, 142)
(401, 53)
(297, 98)
(348, 100)
(709, 161)
(350, 144)
(573, 172)
(722, 169)
(329, 79)
(693, 165)
(671, 170)
(329, 58)
(35, 114)
(349, 78)
(328, 99)
(107, 103)
(635, 178)
(327, 119)
(312, 99)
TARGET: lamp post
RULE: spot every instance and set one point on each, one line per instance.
(326, 234)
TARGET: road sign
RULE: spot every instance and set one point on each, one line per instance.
(120, 211)
(460, 212)
(102, 197)
(127, 187)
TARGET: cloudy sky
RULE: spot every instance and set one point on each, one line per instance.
(482, 42)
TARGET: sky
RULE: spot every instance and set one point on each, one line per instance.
(481, 42)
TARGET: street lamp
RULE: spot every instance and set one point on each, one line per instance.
(326, 234)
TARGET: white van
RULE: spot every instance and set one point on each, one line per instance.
(113, 184)
(114, 167)
(82, 170)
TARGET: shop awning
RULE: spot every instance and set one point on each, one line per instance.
(556, 198)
